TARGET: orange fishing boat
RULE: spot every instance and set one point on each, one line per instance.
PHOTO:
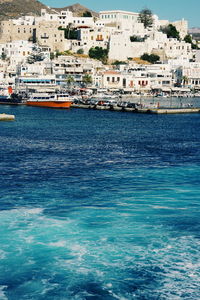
(58, 100)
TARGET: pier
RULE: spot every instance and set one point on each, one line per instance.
(145, 110)
(169, 111)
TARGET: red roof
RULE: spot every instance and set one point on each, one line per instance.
(112, 72)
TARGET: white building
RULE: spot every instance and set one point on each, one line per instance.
(123, 20)
(65, 66)
(16, 51)
(65, 18)
(92, 37)
(160, 75)
(121, 47)
(189, 75)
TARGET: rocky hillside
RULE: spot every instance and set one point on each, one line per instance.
(16, 8)
(78, 9)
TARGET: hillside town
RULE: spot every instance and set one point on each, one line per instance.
(136, 53)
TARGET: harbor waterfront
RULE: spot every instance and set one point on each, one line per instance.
(99, 205)
(152, 105)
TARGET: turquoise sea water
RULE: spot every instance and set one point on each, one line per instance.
(99, 205)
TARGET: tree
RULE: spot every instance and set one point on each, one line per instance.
(52, 55)
(146, 17)
(87, 14)
(195, 46)
(70, 80)
(65, 53)
(188, 39)
(152, 58)
(171, 31)
(135, 38)
(36, 55)
(99, 53)
(69, 32)
(80, 51)
(185, 80)
(119, 62)
(3, 56)
(87, 79)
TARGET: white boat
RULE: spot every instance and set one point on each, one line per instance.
(5, 117)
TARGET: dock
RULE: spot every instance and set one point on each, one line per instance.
(144, 110)
(169, 110)
(5, 117)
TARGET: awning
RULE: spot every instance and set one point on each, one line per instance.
(185, 90)
(156, 87)
(128, 89)
(175, 89)
(35, 80)
(114, 90)
(166, 89)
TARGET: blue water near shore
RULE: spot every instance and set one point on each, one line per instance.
(99, 205)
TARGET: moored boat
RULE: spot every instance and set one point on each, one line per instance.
(57, 100)
(8, 97)
(5, 117)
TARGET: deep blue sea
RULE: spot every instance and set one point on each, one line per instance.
(99, 205)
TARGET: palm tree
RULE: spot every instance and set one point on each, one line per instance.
(185, 80)
(70, 80)
(87, 79)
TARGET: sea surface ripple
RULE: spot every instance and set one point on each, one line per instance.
(99, 205)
